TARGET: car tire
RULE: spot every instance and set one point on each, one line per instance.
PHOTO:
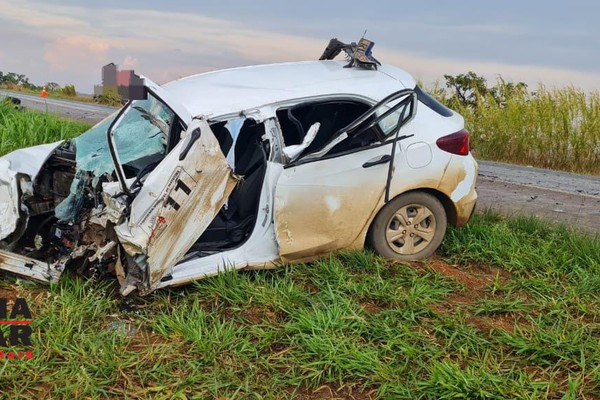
(396, 234)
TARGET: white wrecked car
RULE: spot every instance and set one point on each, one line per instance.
(242, 168)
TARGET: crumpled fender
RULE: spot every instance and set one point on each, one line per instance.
(27, 162)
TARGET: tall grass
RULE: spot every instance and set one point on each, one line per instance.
(548, 128)
(24, 128)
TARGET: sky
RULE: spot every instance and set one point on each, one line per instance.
(67, 41)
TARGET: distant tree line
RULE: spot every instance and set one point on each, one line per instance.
(470, 90)
(13, 80)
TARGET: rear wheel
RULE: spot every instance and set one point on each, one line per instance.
(410, 227)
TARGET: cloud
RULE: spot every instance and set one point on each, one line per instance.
(200, 36)
(430, 69)
(41, 17)
(76, 52)
(503, 29)
(164, 45)
(129, 63)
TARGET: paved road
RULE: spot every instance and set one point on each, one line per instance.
(511, 189)
(87, 112)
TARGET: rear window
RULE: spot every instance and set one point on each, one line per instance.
(432, 103)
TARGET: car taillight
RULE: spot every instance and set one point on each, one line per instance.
(455, 143)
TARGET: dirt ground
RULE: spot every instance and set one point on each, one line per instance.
(580, 211)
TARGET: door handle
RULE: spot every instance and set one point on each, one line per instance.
(382, 160)
(194, 136)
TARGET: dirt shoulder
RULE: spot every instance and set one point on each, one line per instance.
(581, 211)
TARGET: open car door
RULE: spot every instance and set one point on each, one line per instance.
(325, 199)
(177, 202)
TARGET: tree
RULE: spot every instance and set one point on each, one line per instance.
(467, 88)
(505, 90)
(52, 86)
(13, 79)
(471, 90)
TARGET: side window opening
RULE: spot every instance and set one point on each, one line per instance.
(177, 128)
(378, 124)
(342, 126)
(332, 116)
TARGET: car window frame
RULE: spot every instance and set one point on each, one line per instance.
(176, 123)
(392, 137)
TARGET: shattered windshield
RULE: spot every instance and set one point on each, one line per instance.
(141, 136)
(140, 139)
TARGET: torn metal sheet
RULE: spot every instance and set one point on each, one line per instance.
(177, 203)
(30, 268)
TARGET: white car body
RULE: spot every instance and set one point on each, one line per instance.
(307, 207)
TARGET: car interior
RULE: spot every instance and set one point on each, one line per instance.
(235, 221)
(332, 116)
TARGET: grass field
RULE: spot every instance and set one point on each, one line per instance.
(26, 128)
(509, 309)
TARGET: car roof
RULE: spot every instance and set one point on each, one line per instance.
(233, 90)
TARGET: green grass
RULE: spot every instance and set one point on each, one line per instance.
(551, 128)
(509, 309)
(25, 128)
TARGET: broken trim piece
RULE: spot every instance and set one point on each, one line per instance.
(30, 268)
(110, 137)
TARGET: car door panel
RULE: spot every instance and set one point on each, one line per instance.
(325, 204)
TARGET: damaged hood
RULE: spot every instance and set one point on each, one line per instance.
(30, 160)
(26, 162)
